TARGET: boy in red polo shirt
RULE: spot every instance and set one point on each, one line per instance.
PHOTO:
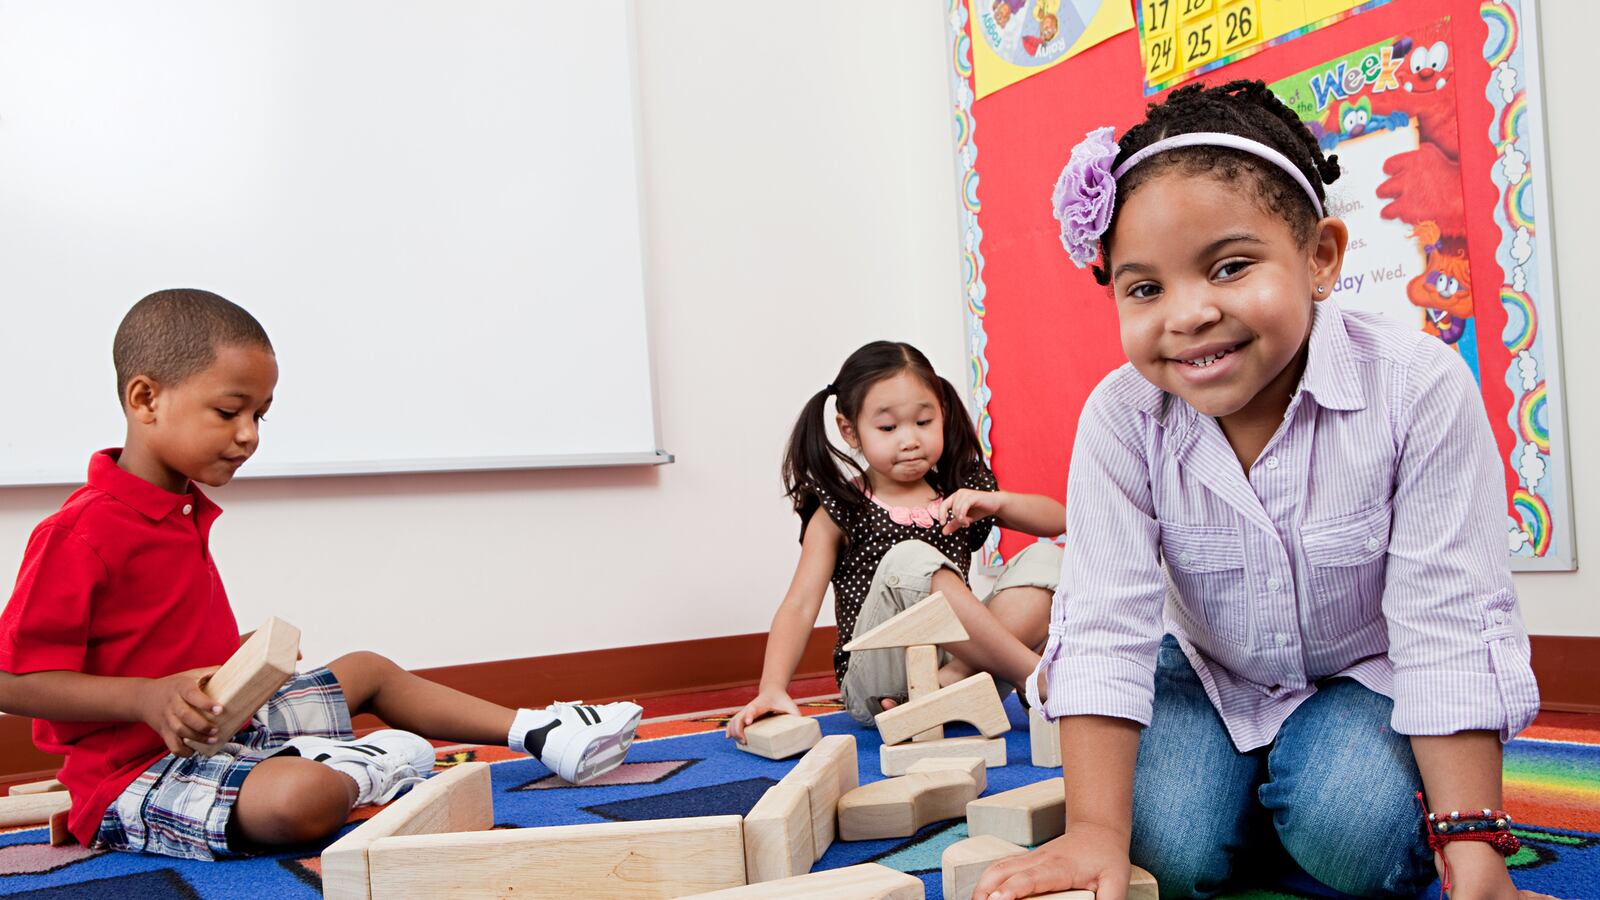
(119, 614)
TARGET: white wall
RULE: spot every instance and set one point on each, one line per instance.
(1569, 602)
(775, 245)
(800, 200)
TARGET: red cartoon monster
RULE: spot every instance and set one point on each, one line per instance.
(1425, 184)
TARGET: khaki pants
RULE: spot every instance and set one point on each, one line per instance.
(903, 579)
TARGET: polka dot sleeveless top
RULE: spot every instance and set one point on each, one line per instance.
(869, 534)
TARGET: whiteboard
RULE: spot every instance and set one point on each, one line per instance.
(432, 207)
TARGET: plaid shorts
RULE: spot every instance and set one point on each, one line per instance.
(181, 806)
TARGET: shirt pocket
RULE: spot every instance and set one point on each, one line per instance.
(1346, 559)
(1206, 564)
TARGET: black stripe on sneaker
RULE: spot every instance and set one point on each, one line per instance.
(533, 740)
(594, 713)
(369, 749)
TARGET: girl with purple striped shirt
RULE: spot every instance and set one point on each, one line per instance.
(1285, 632)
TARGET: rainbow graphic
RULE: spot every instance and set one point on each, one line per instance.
(969, 192)
(1519, 205)
(963, 129)
(1502, 33)
(1532, 422)
(1535, 518)
(1527, 328)
(963, 56)
(1511, 119)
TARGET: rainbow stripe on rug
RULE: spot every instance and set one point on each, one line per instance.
(682, 766)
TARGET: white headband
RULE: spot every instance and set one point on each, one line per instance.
(1220, 139)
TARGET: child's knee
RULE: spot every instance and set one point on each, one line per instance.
(1373, 849)
(291, 801)
(364, 661)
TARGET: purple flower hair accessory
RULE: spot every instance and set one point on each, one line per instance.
(1085, 194)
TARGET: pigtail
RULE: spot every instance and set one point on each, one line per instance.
(811, 463)
(962, 455)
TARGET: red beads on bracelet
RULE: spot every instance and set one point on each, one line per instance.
(1488, 826)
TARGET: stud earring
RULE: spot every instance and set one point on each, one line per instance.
(1322, 289)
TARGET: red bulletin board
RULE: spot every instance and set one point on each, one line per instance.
(1042, 334)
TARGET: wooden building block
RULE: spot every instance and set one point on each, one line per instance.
(654, 858)
(1026, 816)
(32, 809)
(1044, 740)
(828, 771)
(970, 700)
(249, 679)
(964, 861)
(778, 841)
(1141, 886)
(930, 622)
(974, 766)
(895, 760)
(59, 835)
(458, 799)
(868, 881)
(922, 679)
(37, 787)
(897, 807)
(780, 737)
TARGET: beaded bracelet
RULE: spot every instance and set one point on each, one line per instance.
(1488, 826)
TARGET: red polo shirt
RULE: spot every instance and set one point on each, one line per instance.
(118, 582)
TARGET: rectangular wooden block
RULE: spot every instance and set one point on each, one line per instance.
(963, 862)
(930, 622)
(32, 809)
(778, 842)
(895, 760)
(970, 700)
(59, 835)
(974, 767)
(922, 679)
(1044, 740)
(869, 881)
(1026, 816)
(780, 737)
(250, 677)
(828, 771)
(37, 787)
(456, 800)
(1141, 886)
(649, 859)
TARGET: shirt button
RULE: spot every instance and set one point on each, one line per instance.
(1184, 557)
(1372, 543)
(188, 508)
(1274, 584)
(1499, 617)
(1282, 640)
(894, 580)
(1272, 462)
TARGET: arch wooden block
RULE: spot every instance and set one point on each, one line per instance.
(868, 881)
(1025, 816)
(897, 807)
(456, 800)
(778, 840)
(897, 759)
(1044, 740)
(780, 737)
(37, 787)
(828, 771)
(648, 859)
(974, 767)
(249, 678)
(32, 809)
(963, 863)
(970, 700)
(930, 622)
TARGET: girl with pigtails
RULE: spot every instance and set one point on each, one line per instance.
(893, 521)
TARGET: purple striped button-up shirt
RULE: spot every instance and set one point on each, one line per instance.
(1367, 540)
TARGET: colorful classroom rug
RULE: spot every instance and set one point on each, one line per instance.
(684, 767)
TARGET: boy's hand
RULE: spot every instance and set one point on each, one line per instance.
(1090, 857)
(765, 703)
(967, 506)
(178, 709)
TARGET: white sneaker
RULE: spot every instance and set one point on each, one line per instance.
(393, 760)
(580, 742)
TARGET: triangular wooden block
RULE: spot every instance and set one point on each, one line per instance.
(930, 622)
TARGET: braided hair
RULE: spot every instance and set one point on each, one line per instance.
(1244, 108)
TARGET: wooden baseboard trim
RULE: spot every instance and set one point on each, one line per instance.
(651, 670)
(1568, 671)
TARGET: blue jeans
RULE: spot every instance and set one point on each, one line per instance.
(1335, 790)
